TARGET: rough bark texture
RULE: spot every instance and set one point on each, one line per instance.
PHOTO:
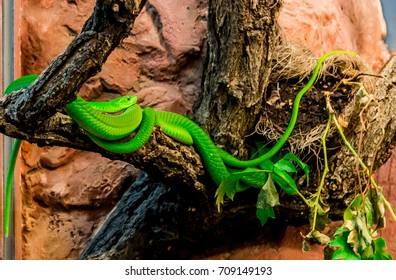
(110, 22)
(241, 38)
(42, 103)
(161, 222)
(156, 224)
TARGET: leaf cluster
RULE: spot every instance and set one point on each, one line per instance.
(275, 172)
(357, 238)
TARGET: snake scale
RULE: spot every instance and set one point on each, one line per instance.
(106, 129)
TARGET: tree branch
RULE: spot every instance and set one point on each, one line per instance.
(109, 23)
(42, 102)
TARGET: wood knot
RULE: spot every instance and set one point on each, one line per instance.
(116, 10)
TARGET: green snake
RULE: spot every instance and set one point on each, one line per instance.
(109, 131)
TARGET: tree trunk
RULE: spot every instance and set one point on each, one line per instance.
(241, 39)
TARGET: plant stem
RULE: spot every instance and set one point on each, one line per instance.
(303, 198)
(325, 171)
(348, 145)
(365, 169)
(389, 206)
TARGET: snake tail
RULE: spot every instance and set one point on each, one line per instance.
(18, 84)
(8, 185)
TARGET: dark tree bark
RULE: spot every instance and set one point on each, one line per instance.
(110, 22)
(42, 103)
(242, 37)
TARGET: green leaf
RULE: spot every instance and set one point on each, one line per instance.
(268, 195)
(285, 181)
(380, 251)
(322, 238)
(351, 212)
(226, 188)
(305, 246)
(220, 193)
(341, 230)
(344, 252)
(286, 165)
(318, 237)
(369, 211)
(362, 232)
(264, 213)
(359, 225)
(355, 237)
(302, 165)
(368, 253)
(267, 165)
(377, 251)
(322, 217)
(377, 200)
(231, 185)
(266, 200)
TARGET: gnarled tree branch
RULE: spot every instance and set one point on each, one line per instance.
(42, 102)
(109, 23)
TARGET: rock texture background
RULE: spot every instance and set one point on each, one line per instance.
(66, 194)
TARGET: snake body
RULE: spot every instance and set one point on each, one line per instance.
(141, 137)
(104, 128)
(107, 127)
(215, 159)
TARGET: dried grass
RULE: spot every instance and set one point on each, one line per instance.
(293, 61)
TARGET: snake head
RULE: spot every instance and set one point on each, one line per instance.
(124, 102)
(115, 105)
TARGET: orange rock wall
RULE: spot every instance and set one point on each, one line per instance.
(337, 24)
(66, 194)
